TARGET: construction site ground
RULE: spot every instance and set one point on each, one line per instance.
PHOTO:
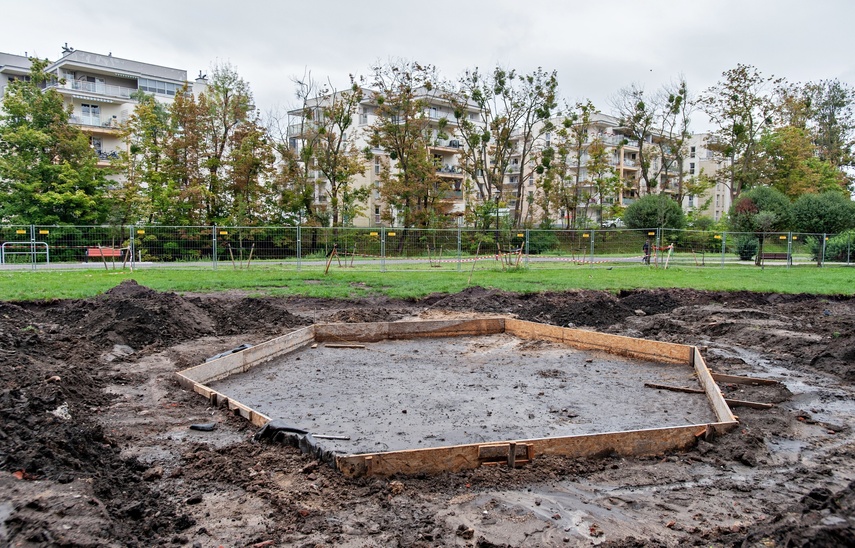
(96, 447)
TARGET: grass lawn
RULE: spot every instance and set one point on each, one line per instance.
(344, 283)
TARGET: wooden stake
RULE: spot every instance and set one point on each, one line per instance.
(477, 251)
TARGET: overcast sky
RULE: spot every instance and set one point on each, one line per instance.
(597, 47)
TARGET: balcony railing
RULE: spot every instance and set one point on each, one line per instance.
(94, 121)
(97, 87)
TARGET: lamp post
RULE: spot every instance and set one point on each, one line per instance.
(497, 218)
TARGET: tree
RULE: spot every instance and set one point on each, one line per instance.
(48, 170)
(605, 182)
(224, 106)
(637, 117)
(741, 106)
(146, 192)
(654, 211)
(833, 121)
(251, 162)
(674, 110)
(761, 210)
(831, 212)
(513, 112)
(409, 185)
(186, 173)
(790, 164)
(328, 139)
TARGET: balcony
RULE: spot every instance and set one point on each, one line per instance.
(105, 158)
(99, 88)
(93, 124)
(453, 145)
(453, 172)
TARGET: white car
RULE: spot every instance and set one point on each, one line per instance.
(614, 223)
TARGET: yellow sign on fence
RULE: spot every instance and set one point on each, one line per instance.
(140, 231)
(390, 233)
(224, 232)
(20, 232)
(44, 231)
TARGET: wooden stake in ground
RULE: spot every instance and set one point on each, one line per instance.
(333, 253)
(477, 251)
(232, 255)
(249, 260)
(103, 258)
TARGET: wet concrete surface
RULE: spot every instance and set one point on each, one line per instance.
(412, 394)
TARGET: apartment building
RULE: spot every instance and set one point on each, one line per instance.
(444, 146)
(13, 67)
(101, 90)
(716, 202)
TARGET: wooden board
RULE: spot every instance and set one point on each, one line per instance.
(591, 340)
(463, 457)
(722, 411)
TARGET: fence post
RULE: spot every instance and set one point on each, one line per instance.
(789, 249)
(592, 247)
(214, 246)
(459, 245)
(723, 247)
(33, 247)
(824, 241)
(132, 248)
(299, 247)
(383, 249)
(527, 234)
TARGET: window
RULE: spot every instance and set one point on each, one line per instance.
(377, 165)
(691, 201)
(90, 114)
(692, 152)
(95, 143)
(531, 180)
(691, 168)
(376, 214)
(363, 116)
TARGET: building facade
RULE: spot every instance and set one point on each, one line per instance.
(101, 91)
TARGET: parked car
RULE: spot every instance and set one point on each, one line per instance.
(614, 223)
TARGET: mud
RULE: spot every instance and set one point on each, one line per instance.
(96, 450)
(414, 394)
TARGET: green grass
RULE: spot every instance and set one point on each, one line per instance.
(354, 283)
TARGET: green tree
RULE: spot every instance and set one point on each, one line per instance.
(48, 171)
(761, 210)
(145, 193)
(605, 182)
(410, 185)
(223, 107)
(637, 118)
(827, 213)
(833, 121)
(791, 165)
(654, 211)
(184, 152)
(329, 139)
(512, 112)
(741, 106)
(674, 109)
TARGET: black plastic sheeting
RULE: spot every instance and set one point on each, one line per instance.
(278, 431)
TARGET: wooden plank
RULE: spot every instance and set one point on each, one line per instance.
(239, 362)
(736, 379)
(722, 411)
(730, 402)
(674, 388)
(751, 404)
(465, 457)
(591, 340)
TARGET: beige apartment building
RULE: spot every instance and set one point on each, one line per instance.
(100, 89)
(716, 202)
(445, 147)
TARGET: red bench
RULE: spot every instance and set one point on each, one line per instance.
(103, 252)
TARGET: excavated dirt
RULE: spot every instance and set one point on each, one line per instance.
(96, 449)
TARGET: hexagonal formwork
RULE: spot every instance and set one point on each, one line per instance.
(621, 363)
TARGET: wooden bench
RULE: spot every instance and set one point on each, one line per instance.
(775, 256)
(102, 252)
